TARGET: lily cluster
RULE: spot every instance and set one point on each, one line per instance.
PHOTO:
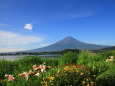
(111, 58)
(10, 77)
(35, 72)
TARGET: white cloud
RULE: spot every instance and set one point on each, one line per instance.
(9, 38)
(44, 45)
(28, 26)
(10, 49)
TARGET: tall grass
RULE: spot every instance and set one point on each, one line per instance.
(97, 71)
(68, 58)
(18, 66)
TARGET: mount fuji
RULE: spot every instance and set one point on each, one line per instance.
(68, 43)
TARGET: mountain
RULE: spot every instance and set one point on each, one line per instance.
(68, 43)
(109, 48)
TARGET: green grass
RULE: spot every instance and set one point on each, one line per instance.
(104, 71)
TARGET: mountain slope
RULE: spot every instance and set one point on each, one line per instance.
(68, 43)
(109, 48)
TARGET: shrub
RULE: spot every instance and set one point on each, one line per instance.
(84, 57)
(106, 53)
(26, 63)
(6, 67)
(98, 67)
(51, 61)
(70, 75)
(68, 58)
(106, 79)
(96, 62)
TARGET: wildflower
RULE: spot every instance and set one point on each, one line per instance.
(52, 78)
(43, 63)
(83, 82)
(94, 75)
(111, 57)
(10, 78)
(107, 60)
(79, 66)
(42, 67)
(42, 70)
(87, 85)
(31, 72)
(81, 73)
(87, 79)
(66, 68)
(77, 71)
(37, 74)
(35, 67)
(45, 82)
(85, 66)
(6, 75)
(25, 74)
(92, 82)
(42, 78)
(58, 71)
(52, 84)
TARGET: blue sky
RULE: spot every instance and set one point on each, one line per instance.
(30, 24)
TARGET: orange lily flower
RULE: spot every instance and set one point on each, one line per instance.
(31, 72)
(25, 74)
(35, 67)
(6, 75)
(42, 67)
(37, 74)
(10, 78)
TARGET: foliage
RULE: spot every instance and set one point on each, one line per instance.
(51, 61)
(109, 48)
(95, 61)
(6, 67)
(70, 75)
(107, 53)
(106, 79)
(82, 69)
(68, 58)
(26, 63)
(69, 50)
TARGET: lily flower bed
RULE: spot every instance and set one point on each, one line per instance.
(36, 72)
(66, 75)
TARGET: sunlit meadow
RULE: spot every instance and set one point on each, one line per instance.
(85, 68)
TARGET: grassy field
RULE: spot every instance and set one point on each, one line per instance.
(71, 69)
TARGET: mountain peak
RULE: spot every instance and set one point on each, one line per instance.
(69, 38)
(68, 43)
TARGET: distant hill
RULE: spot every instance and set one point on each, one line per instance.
(109, 48)
(68, 43)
